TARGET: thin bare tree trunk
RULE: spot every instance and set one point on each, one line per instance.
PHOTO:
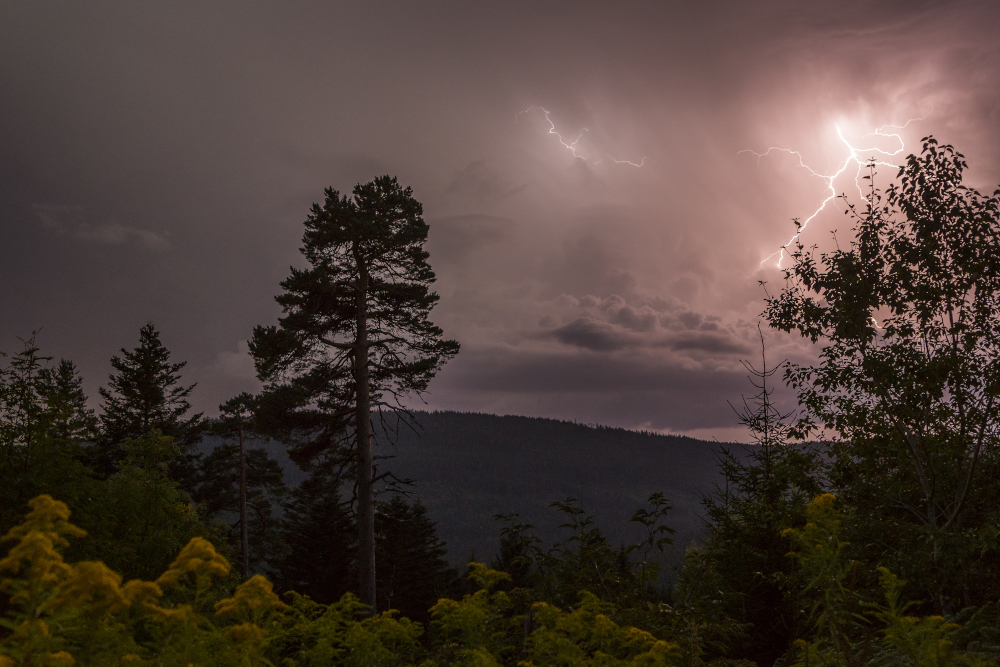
(244, 539)
(366, 490)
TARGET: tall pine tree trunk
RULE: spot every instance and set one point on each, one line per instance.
(366, 490)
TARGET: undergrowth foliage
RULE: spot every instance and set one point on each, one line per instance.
(62, 614)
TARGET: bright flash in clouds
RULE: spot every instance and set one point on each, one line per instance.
(857, 156)
(573, 146)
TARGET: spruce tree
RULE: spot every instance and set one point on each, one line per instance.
(319, 537)
(68, 417)
(22, 432)
(142, 395)
(44, 425)
(412, 570)
(742, 569)
(22, 425)
(320, 560)
(355, 338)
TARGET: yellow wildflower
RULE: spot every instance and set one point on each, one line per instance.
(141, 592)
(246, 633)
(93, 585)
(199, 558)
(47, 516)
(253, 599)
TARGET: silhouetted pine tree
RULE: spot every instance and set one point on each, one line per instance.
(517, 548)
(43, 424)
(68, 419)
(355, 338)
(320, 560)
(410, 561)
(142, 395)
(22, 426)
(319, 537)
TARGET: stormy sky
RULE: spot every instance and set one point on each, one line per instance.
(157, 161)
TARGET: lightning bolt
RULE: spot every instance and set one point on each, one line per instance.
(639, 164)
(572, 146)
(853, 157)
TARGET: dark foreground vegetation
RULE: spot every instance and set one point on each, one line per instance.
(865, 530)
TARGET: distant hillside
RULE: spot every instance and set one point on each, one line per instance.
(469, 467)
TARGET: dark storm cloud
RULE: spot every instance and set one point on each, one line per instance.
(629, 327)
(515, 371)
(708, 342)
(157, 161)
(593, 335)
(600, 336)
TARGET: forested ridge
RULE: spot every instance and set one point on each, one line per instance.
(468, 467)
(863, 529)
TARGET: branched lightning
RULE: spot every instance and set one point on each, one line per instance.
(572, 146)
(854, 156)
(639, 164)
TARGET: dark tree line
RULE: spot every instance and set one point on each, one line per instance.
(141, 482)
